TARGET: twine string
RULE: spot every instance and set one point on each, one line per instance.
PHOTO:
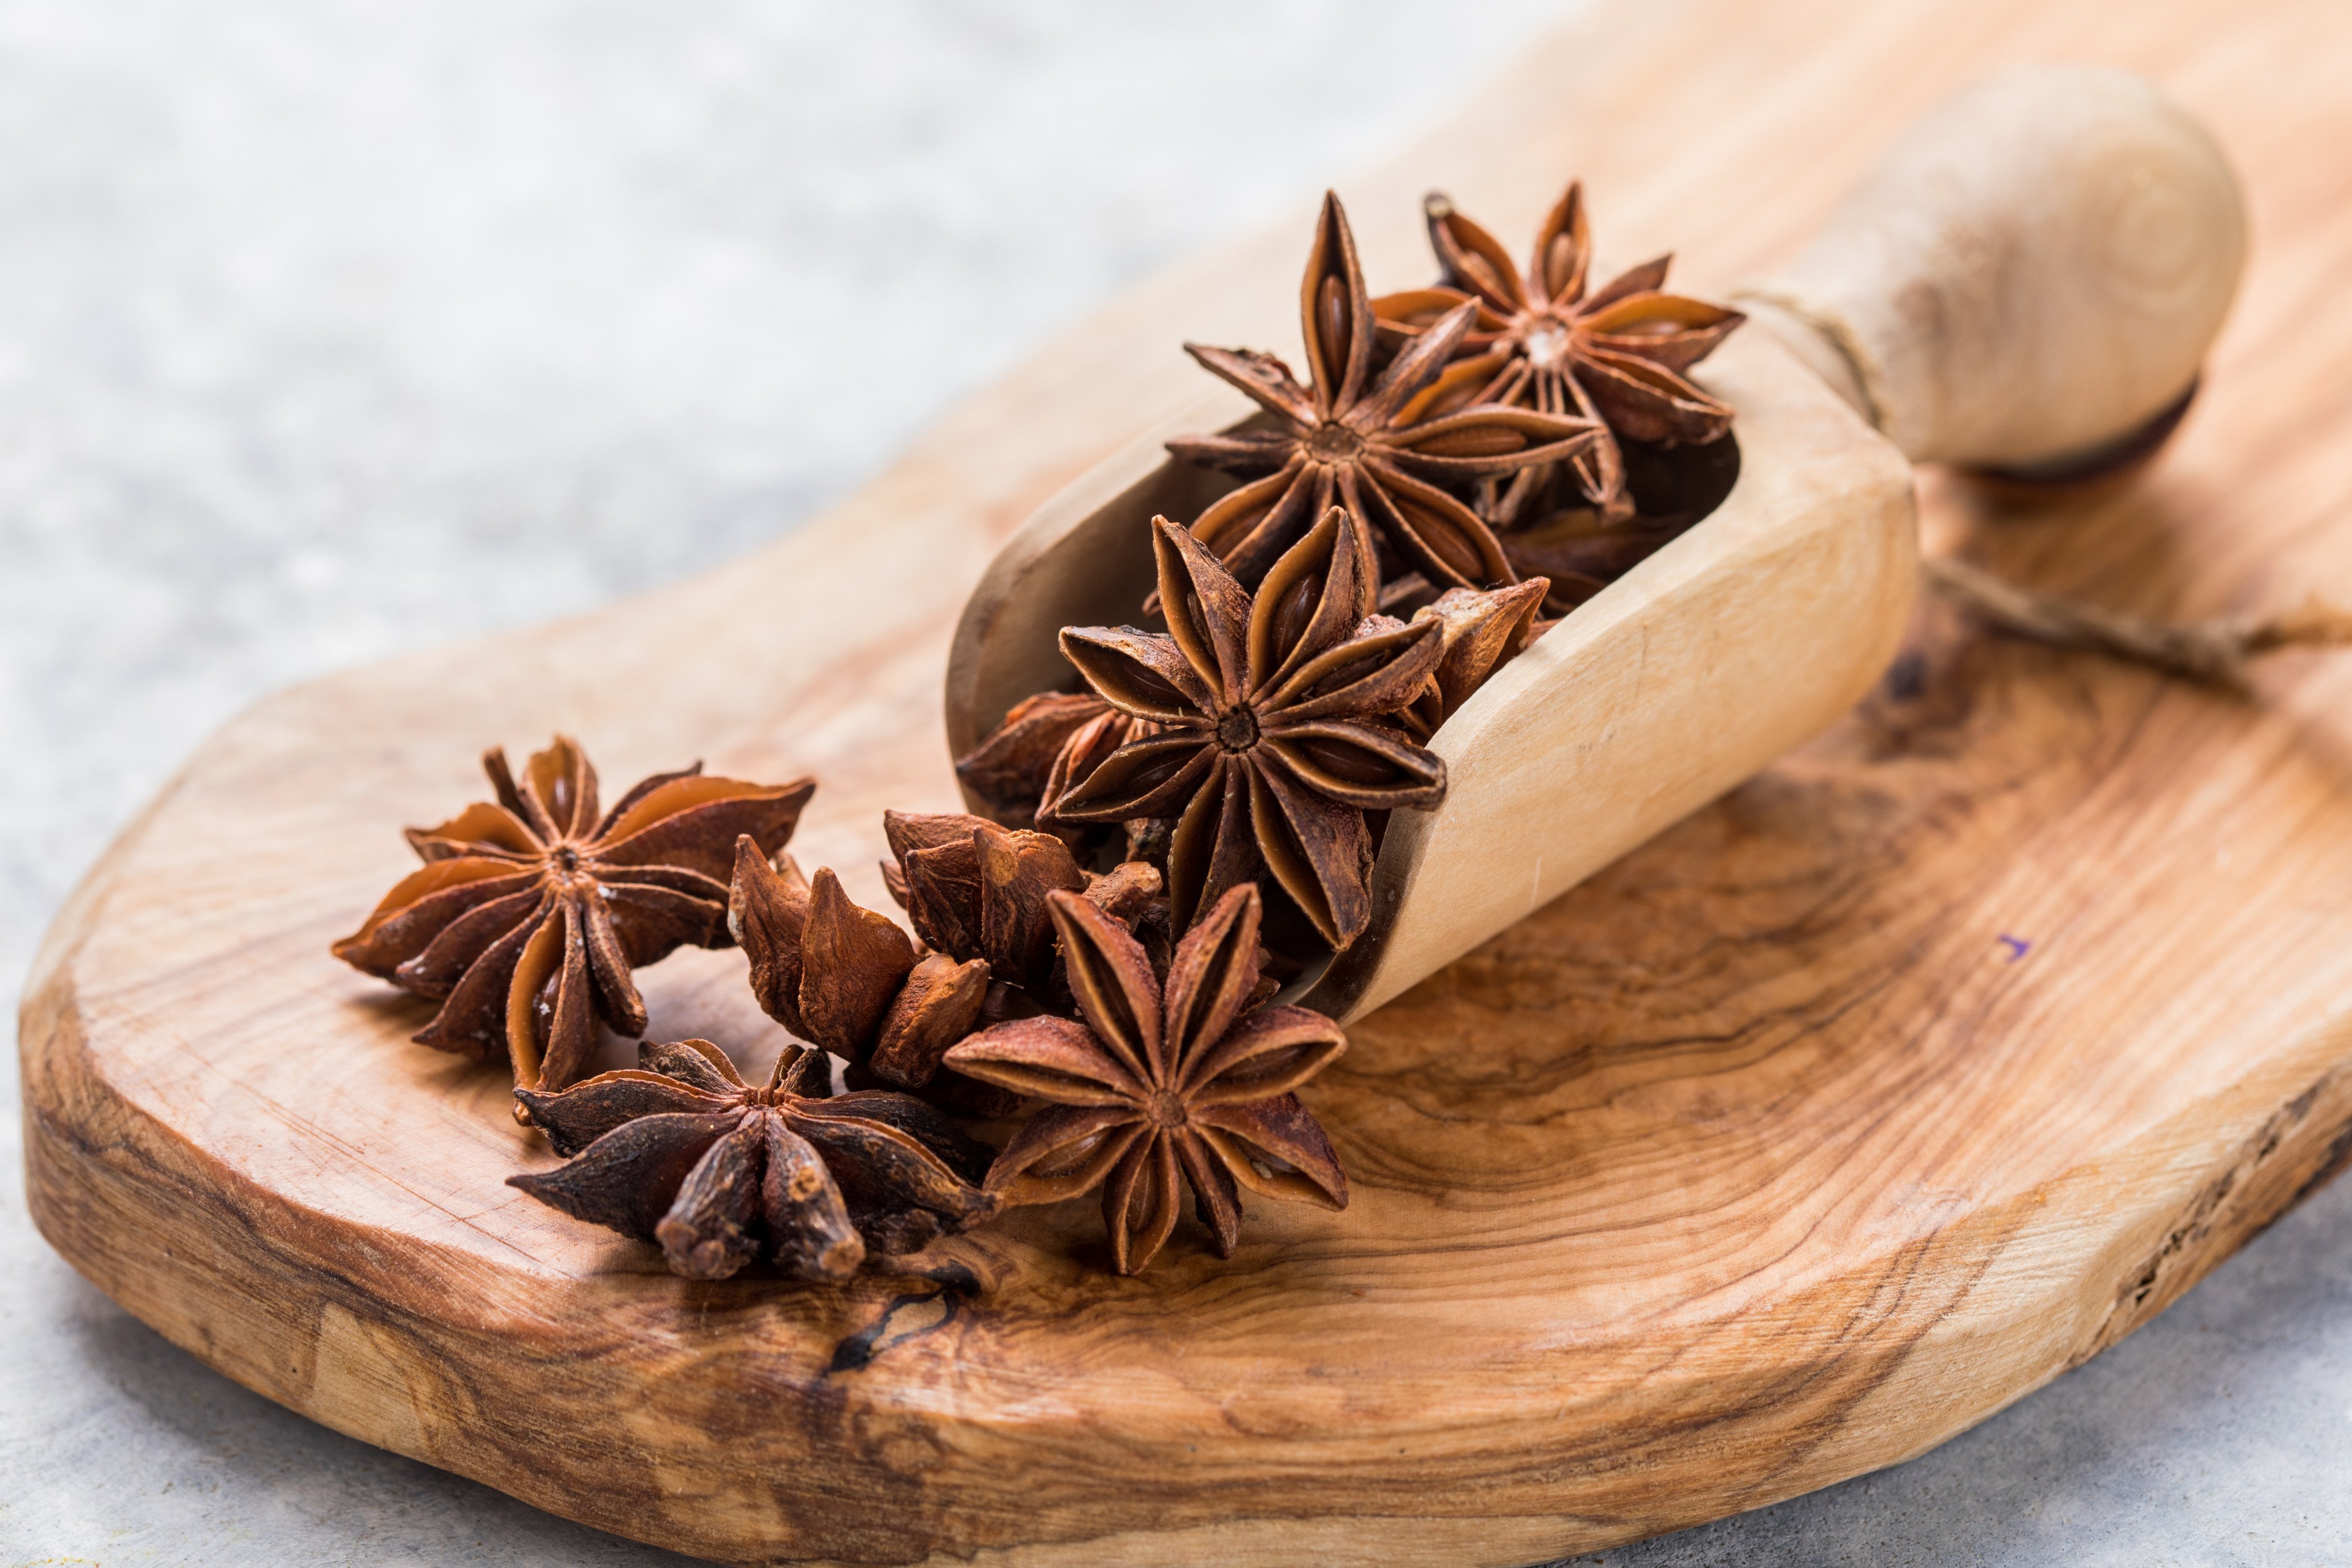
(2215, 652)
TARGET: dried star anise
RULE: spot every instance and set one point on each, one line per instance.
(683, 1152)
(1045, 744)
(530, 914)
(1033, 760)
(1371, 445)
(848, 980)
(1009, 768)
(1481, 633)
(1267, 751)
(976, 890)
(1162, 1079)
(1540, 343)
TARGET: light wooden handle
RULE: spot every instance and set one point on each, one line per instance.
(2033, 273)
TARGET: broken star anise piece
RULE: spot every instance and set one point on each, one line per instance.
(1482, 632)
(1267, 754)
(975, 890)
(1361, 441)
(1158, 1080)
(846, 979)
(1540, 343)
(531, 912)
(1009, 768)
(683, 1152)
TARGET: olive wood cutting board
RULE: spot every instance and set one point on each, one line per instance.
(1876, 1094)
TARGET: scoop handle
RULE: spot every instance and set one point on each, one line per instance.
(2030, 276)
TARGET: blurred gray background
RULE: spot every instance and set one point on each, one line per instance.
(329, 328)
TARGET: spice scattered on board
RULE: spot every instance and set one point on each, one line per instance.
(1173, 842)
(681, 1151)
(531, 910)
(1161, 1077)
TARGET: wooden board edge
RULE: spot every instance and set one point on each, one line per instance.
(137, 1211)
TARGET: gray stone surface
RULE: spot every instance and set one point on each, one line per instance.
(303, 304)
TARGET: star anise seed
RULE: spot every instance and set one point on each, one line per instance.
(530, 914)
(1264, 752)
(1161, 1080)
(683, 1152)
(1352, 439)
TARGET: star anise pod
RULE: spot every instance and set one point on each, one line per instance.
(1361, 441)
(1481, 633)
(1266, 753)
(1046, 744)
(1484, 630)
(1541, 343)
(683, 1152)
(975, 890)
(848, 980)
(1009, 769)
(1153, 1079)
(530, 914)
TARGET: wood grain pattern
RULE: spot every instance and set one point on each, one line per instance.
(1756, 1162)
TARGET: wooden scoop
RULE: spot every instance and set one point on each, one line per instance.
(2028, 283)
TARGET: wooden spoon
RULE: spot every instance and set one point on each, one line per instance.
(2028, 283)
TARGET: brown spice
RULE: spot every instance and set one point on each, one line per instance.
(1159, 1080)
(848, 980)
(977, 890)
(1540, 343)
(530, 914)
(1481, 632)
(1370, 443)
(1009, 769)
(1046, 744)
(1265, 752)
(683, 1152)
